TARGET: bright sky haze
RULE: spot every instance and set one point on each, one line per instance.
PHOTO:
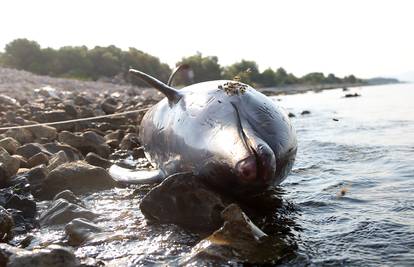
(365, 38)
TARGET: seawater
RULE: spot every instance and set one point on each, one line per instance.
(353, 179)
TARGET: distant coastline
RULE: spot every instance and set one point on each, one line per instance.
(302, 88)
(22, 84)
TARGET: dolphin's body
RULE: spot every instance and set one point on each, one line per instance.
(225, 132)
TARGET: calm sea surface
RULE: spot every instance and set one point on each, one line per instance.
(367, 153)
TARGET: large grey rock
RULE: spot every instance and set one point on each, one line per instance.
(182, 199)
(22, 135)
(61, 211)
(80, 230)
(70, 197)
(237, 241)
(9, 164)
(96, 160)
(10, 145)
(31, 149)
(79, 177)
(86, 142)
(44, 132)
(72, 153)
(53, 255)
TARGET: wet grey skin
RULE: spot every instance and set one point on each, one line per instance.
(238, 141)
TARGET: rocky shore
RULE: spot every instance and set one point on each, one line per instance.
(52, 177)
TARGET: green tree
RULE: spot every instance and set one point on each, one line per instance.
(134, 58)
(247, 71)
(73, 62)
(331, 78)
(106, 61)
(313, 78)
(268, 78)
(351, 79)
(204, 68)
(22, 54)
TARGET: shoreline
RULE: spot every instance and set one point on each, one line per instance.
(22, 84)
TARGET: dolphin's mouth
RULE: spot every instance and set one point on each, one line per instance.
(256, 168)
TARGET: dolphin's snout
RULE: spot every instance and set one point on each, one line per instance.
(247, 168)
(260, 167)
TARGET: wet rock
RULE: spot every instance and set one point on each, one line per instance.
(79, 177)
(6, 225)
(70, 197)
(305, 112)
(38, 159)
(25, 242)
(29, 150)
(36, 176)
(22, 135)
(86, 142)
(182, 199)
(9, 144)
(129, 141)
(138, 152)
(52, 255)
(352, 95)
(8, 164)
(61, 211)
(3, 176)
(72, 153)
(237, 241)
(57, 160)
(80, 230)
(44, 132)
(24, 204)
(96, 160)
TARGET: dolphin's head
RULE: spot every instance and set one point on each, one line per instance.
(251, 137)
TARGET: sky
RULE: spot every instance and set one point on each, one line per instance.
(365, 38)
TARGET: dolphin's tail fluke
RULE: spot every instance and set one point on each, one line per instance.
(125, 176)
(172, 94)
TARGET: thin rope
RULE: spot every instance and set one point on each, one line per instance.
(75, 120)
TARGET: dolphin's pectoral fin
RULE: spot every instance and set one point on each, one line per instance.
(127, 176)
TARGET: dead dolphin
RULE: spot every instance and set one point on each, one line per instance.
(225, 132)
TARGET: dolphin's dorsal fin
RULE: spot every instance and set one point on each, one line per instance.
(175, 71)
(172, 94)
